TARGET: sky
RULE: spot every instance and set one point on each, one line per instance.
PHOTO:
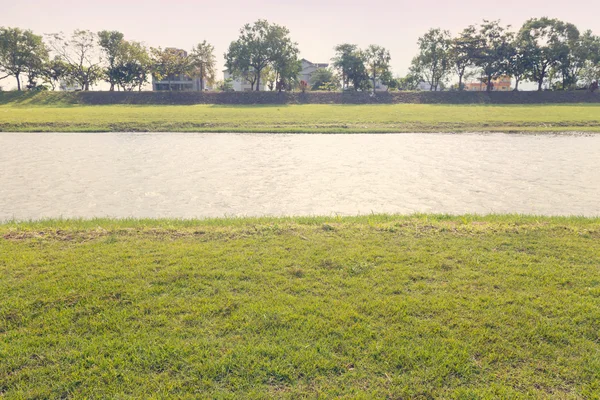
(316, 25)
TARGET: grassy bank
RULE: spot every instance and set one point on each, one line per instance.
(64, 117)
(367, 307)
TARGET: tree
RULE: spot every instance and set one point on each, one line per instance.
(81, 53)
(204, 62)
(260, 45)
(111, 43)
(284, 59)
(409, 82)
(133, 66)
(378, 63)
(569, 60)
(343, 61)
(54, 71)
(321, 77)
(541, 47)
(168, 63)
(582, 50)
(433, 63)
(494, 51)
(590, 72)
(517, 63)
(350, 62)
(463, 51)
(21, 52)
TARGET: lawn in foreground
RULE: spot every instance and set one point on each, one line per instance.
(300, 118)
(366, 307)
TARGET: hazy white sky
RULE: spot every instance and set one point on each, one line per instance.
(317, 25)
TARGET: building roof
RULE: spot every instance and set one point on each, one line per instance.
(318, 65)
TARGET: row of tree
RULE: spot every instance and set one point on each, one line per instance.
(85, 58)
(544, 50)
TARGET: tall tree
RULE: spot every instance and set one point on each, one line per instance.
(80, 51)
(168, 64)
(539, 47)
(284, 59)
(350, 61)
(21, 52)
(494, 51)
(321, 77)
(260, 45)
(463, 51)
(581, 50)
(517, 63)
(133, 66)
(204, 62)
(566, 43)
(433, 63)
(111, 43)
(54, 71)
(345, 58)
(378, 63)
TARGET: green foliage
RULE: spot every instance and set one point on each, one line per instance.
(545, 43)
(378, 60)
(434, 62)
(409, 82)
(169, 64)
(111, 43)
(350, 62)
(226, 85)
(21, 53)
(463, 51)
(494, 50)
(425, 306)
(81, 53)
(204, 62)
(323, 79)
(263, 45)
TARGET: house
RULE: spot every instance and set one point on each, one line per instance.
(179, 83)
(426, 87)
(501, 84)
(240, 84)
(307, 68)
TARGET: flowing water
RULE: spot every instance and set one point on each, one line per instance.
(188, 175)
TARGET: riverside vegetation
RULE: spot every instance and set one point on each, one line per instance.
(376, 306)
(24, 116)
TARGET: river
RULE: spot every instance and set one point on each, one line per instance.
(186, 175)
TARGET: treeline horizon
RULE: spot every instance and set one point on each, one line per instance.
(543, 51)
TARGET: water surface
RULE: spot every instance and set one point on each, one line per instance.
(211, 175)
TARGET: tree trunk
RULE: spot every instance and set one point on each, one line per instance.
(18, 76)
(489, 83)
(258, 80)
(540, 83)
(516, 89)
(460, 85)
(202, 77)
(374, 79)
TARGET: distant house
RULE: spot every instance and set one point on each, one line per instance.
(67, 85)
(426, 87)
(502, 84)
(308, 68)
(240, 84)
(179, 83)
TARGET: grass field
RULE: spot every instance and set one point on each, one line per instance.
(24, 116)
(367, 307)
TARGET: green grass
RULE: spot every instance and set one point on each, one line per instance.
(24, 116)
(367, 307)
